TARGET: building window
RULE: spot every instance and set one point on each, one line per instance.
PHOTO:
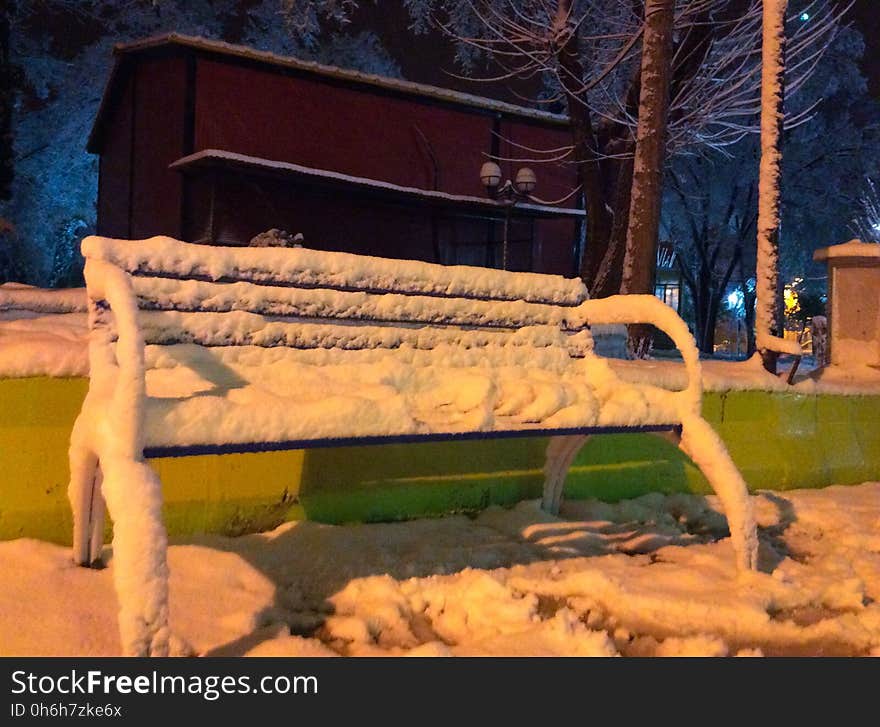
(669, 293)
(480, 242)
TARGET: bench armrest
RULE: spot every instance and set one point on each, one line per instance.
(630, 309)
(117, 386)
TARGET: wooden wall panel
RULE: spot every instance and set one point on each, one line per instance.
(114, 181)
(317, 124)
(160, 116)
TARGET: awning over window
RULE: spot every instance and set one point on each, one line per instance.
(215, 160)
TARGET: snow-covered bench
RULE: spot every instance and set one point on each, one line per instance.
(197, 349)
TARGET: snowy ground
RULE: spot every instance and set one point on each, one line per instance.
(652, 576)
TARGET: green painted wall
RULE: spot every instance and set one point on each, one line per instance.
(779, 440)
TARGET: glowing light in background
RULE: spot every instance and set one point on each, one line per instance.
(791, 297)
(735, 300)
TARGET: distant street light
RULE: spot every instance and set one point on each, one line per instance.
(507, 194)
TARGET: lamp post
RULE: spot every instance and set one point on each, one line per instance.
(507, 194)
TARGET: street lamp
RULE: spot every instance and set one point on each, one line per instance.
(507, 194)
(490, 176)
(525, 182)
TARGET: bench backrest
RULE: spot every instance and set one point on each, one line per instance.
(301, 298)
(163, 291)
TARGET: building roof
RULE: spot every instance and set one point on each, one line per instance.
(125, 51)
(212, 159)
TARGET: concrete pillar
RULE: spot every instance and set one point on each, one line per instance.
(853, 302)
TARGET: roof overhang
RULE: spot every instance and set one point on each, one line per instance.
(214, 160)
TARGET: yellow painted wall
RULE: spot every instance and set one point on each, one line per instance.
(778, 440)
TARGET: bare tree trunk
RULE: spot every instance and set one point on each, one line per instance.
(585, 153)
(643, 227)
(609, 276)
(772, 118)
(699, 284)
(606, 181)
(749, 309)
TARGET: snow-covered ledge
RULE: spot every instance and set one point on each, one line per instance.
(853, 302)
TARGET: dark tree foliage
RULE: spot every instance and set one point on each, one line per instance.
(7, 102)
(57, 56)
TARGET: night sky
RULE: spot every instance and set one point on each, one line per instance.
(866, 16)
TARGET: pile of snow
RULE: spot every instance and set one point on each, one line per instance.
(651, 576)
(20, 297)
(43, 345)
(42, 332)
(747, 375)
(750, 375)
(216, 396)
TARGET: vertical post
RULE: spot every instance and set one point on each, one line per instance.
(490, 244)
(534, 242)
(772, 119)
(506, 231)
(212, 233)
(494, 153)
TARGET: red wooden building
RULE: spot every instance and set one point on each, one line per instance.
(210, 142)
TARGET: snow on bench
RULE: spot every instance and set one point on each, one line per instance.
(196, 349)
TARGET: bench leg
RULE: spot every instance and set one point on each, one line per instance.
(673, 436)
(561, 452)
(96, 519)
(83, 471)
(703, 445)
(133, 494)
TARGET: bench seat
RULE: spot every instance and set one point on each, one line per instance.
(222, 398)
